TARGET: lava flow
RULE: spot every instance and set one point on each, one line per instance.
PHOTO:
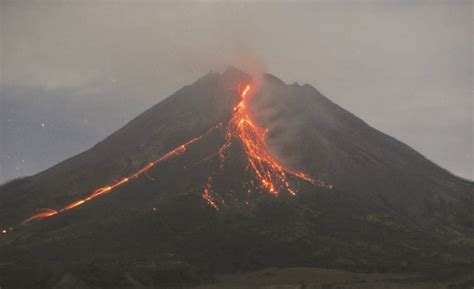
(45, 213)
(271, 175)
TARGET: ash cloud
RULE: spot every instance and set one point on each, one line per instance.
(275, 107)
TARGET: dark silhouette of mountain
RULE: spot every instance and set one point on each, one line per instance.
(390, 209)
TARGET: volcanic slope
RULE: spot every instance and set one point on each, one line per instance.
(321, 188)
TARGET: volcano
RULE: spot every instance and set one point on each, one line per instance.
(229, 174)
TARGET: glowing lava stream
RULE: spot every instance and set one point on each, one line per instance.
(45, 213)
(272, 176)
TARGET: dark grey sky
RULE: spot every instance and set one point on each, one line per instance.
(74, 71)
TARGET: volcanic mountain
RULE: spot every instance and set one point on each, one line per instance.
(232, 173)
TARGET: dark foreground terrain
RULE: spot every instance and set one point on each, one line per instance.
(287, 278)
(317, 278)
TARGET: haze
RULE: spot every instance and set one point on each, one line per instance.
(74, 72)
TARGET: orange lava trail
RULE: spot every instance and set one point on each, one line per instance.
(272, 176)
(45, 213)
(206, 194)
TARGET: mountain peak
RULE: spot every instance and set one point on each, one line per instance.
(235, 73)
(273, 78)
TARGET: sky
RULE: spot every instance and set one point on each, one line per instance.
(72, 72)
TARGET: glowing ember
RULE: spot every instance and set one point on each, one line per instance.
(271, 175)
